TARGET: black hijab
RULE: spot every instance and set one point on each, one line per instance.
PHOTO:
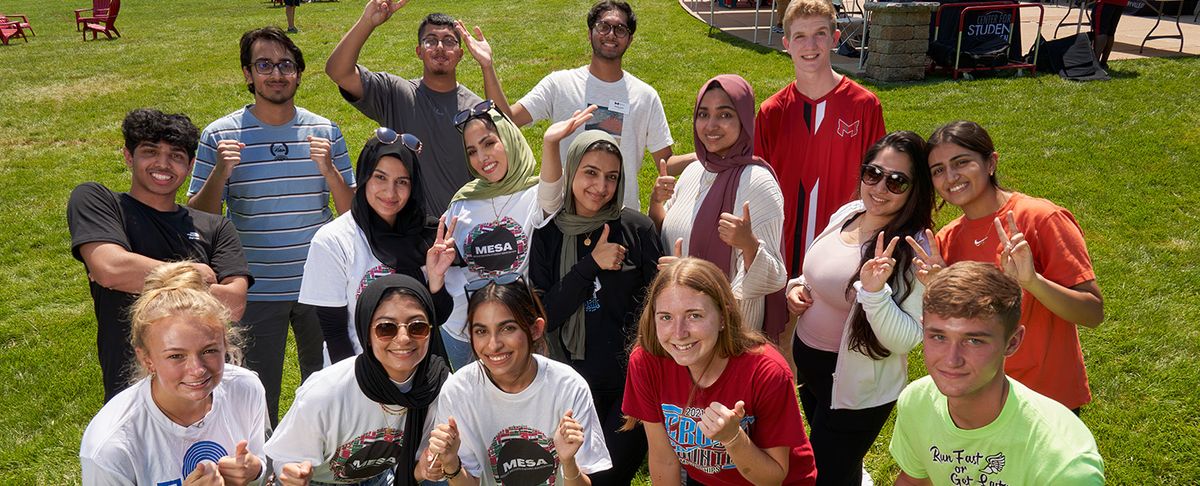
(401, 246)
(428, 378)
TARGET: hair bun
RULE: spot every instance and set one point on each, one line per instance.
(175, 276)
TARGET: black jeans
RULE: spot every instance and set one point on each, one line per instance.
(840, 437)
(627, 449)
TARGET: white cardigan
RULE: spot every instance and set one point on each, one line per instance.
(858, 381)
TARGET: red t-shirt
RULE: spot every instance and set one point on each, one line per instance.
(816, 148)
(657, 392)
(1049, 360)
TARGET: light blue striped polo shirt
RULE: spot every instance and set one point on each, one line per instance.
(275, 196)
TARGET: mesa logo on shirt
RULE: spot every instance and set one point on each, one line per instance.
(523, 456)
(495, 247)
(368, 455)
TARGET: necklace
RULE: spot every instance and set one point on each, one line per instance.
(397, 413)
(503, 209)
(587, 241)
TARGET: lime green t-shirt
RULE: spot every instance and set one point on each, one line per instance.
(1034, 441)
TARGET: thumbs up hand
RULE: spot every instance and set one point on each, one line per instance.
(296, 474)
(241, 468)
(665, 260)
(568, 436)
(205, 474)
(608, 255)
(664, 185)
(737, 231)
(722, 424)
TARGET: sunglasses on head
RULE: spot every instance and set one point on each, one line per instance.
(897, 182)
(504, 279)
(388, 330)
(480, 110)
(387, 136)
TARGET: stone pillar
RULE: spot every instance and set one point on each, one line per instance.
(897, 40)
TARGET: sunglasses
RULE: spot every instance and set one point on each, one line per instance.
(504, 279)
(387, 136)
(480, 110)
(388, 330)
(897, 183)
(287, 67)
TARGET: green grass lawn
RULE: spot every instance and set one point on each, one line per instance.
(1122, 155)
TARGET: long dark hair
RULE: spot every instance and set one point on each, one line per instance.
(914, 217)
(521, 301)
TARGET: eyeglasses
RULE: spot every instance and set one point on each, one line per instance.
(619, 30)
(897, 183)
(444, 42)
(503, 279)
(480, 110)
(388, 330)
(387, 136)
(287, 67)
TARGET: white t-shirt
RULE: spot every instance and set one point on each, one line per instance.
(131, 441)
(629, 109)
(493, 237)
(511, 436)
(346, 436)
(340, 265)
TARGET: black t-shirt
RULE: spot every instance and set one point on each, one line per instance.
(97, 214)
(610, 314)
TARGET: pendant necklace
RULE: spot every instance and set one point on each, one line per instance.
(397, 412)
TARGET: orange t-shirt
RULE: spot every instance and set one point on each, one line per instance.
(1049, 360)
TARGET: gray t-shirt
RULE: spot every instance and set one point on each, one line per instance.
(408, 106)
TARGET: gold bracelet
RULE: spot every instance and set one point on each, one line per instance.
(736, 436)
(577, 475)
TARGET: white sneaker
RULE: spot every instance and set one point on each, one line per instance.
(866, 478)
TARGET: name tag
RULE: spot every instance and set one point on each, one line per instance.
(619, 107)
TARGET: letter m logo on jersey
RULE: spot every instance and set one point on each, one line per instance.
(848, 129)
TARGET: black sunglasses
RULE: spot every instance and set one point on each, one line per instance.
(387, 136)
(480, 110)
(388, 330)
(897, 183)
(503, 279)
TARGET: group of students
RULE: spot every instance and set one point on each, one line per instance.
(541, 330)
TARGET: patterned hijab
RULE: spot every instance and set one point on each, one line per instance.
(522, 167)
(572, 224)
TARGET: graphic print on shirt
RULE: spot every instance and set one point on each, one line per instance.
(691, 446)
(372, 274)
(521, 455)
(973, 468)
(610, 120)
(496, 247)
(848, 129)
(368, 455)
(204, 450)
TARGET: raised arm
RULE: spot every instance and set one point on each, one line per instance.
(481, 50)
(342, 64)
(1081, 304)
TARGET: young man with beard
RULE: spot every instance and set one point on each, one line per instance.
(814, 131)
(424, 106)
(121, 237)
(969, 423)
(274, 165)
(629, 109)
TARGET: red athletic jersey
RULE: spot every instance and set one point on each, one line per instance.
(816, 148)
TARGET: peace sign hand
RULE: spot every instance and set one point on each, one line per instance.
(377, 12)
(558, 131)
(1016, 257)
(876, 271)
(441, 254)
(928, 263)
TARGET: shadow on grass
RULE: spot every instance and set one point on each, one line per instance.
(741, 43)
